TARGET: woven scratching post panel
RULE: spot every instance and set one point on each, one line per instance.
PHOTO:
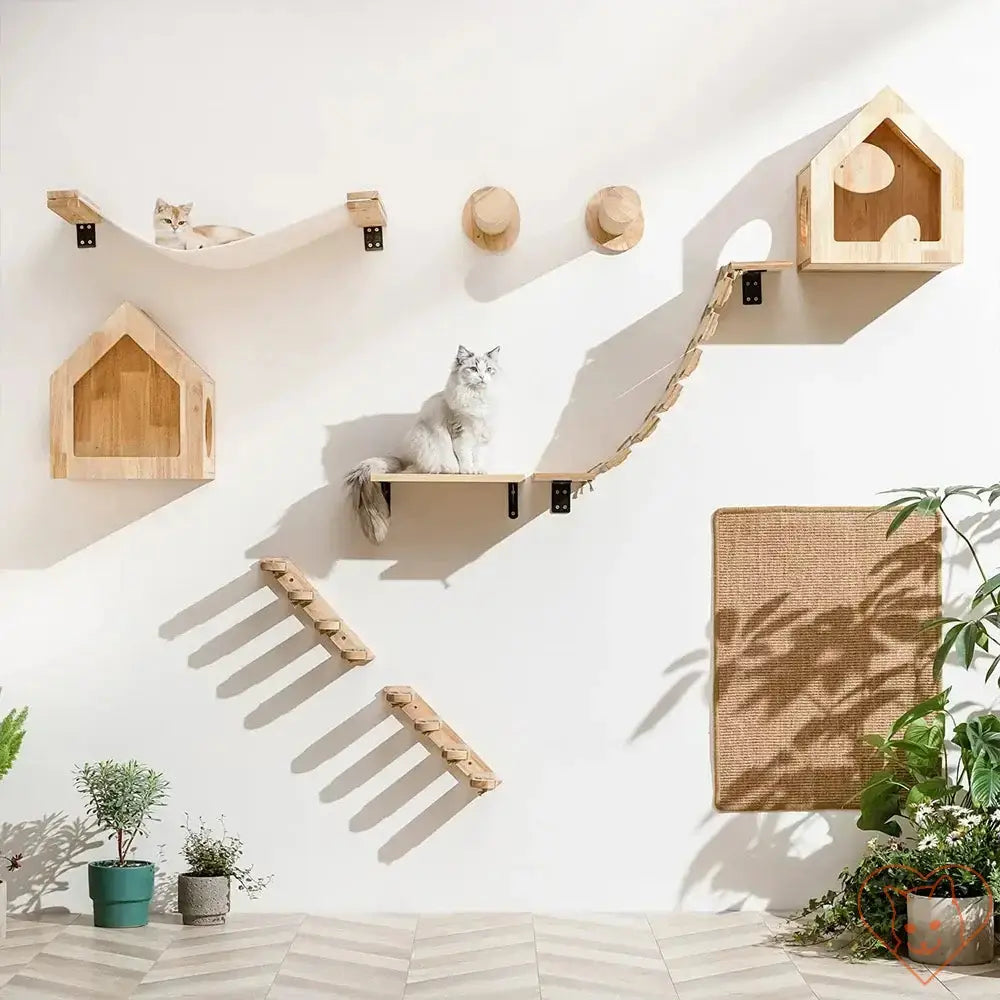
(816, 643)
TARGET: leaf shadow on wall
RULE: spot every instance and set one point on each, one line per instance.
(425, 771)
(435, 529)
(621, 378)
(814, 705)
(53, 846)
(288, 654)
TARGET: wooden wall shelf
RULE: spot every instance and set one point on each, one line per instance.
(439, 738)
(512, 479)
(130, 404)
(314, 611)
(884, 194)
(363, 209)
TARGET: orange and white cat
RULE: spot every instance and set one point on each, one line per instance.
(172, 228)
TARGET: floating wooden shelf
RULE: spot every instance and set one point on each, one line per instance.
(362, 208)
(439, 738)
(130, 404)
(885, 194)
(314, 611)
(512, 479)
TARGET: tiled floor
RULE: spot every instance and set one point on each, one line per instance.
(513, 956)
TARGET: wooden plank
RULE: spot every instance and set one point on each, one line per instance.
(72, 206)
(312, 609)
(456, 755)
(366, 209)
(420, 477)
(573, 477)
(761, 265)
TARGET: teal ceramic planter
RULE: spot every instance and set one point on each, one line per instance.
(121, 895)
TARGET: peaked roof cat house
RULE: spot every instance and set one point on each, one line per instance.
(885, 194)
(130, 404)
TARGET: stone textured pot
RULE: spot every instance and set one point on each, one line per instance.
(203, 899)
(937, 929)
(3, 910)
(121, 895)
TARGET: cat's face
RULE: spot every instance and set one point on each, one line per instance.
(476, 370)
(172, 218)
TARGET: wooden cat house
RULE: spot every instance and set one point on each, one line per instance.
(885, 194)
(130, 404)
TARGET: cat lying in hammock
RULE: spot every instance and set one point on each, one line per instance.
(172, 228)
(450, 435)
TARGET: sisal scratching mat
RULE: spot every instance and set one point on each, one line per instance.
(816, 643)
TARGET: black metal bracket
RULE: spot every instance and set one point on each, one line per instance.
(387, 493)
(753, 288)
(373, 237)
(562, 490)
(86, 235)
(513, 499)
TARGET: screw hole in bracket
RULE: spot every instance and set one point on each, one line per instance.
(561, 492)
(372, 237)
(86, 235)
(753, 291)
(513, 500)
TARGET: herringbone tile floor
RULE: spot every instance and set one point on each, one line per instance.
(480, 956)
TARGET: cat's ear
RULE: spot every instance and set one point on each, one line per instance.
(492, 355)
(463, 354)
(160, 205)
(185, 209)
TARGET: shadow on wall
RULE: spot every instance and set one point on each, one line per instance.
(282, 656)
(775, 640)
(52, 846)
(621, 378)
(435, 530)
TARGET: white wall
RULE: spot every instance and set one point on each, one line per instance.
(572, 652)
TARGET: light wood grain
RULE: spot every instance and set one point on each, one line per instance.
(439, 738)
(614, 219)
(850, 211)
(419, 477)
(73, 207)
(130, 404)
(366, 209)
(491, 219)
(572, 477)
(313, 610)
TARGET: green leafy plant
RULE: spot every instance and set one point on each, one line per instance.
(979, 629)
(209, 855)
(121, 798)
(963, 841)
(11, 738)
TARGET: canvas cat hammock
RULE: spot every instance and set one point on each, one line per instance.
(362, 208)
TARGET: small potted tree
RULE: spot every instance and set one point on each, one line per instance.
(213, 862)
(11, 737)
(121, 799)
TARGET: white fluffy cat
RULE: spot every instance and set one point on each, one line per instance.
(449, 436)
(172, 228)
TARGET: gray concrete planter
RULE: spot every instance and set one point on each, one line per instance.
(938, 929)
(203, 899)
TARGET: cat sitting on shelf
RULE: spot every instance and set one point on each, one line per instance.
(449, 436)
(172, 228)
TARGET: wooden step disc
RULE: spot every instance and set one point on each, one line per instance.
(484, 782)
(455, 753)
(356, 655)
(301, 596)
(328, 625)
(398, 696)
(273, 565)
(426, 725)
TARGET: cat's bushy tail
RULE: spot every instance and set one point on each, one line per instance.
(373, 511)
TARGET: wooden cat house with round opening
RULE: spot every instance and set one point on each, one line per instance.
(130, 404)
(885, 194)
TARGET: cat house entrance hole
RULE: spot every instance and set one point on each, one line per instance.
(126, 406)
(885, 182)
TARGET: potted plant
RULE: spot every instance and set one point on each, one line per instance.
(121, 799)
(11, 737)
(213, 862)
